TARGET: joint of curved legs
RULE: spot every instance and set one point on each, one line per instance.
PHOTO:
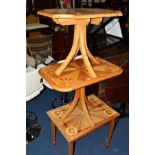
(79, 42)
(84, 53)
(79, 96)
(87, 50)
(84, 106)
(71, 107)
(72, 53)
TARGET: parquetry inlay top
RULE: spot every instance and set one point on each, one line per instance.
(76, 75)
(76, 124)
(79, 13)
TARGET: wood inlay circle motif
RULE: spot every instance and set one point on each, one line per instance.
(71, 131)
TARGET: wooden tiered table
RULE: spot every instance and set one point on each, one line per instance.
(84, 114)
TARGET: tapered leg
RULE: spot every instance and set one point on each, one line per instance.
(53, 132)
(71, 148)
(111, 127)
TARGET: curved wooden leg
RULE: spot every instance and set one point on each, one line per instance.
(87, 101)
(72, 52)
(84, 53)
(77, 50)
(72, 106)
(84, 107)
(88, 52)
(111, 127)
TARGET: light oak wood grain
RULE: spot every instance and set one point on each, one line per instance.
(79, 13)
(80, 17)
(78, 124)
(84, 114)
(76, 74)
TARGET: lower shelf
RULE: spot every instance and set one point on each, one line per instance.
(76, 125)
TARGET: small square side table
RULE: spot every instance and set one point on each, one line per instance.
(76, 125)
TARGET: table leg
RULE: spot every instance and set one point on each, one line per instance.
(53, 133)
(111, 127)
(71, 148)
(79, 42)
(84, 107)
(72, 106)
(88, 52)
(79, 96)
(72, 52)
(84, 53)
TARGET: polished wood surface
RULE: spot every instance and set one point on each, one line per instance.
(83, 115)
(53, 127)
(79, 43)
(71, 148)
(76, 74)
(76, 125)
(79, 13)
(111, 128)
(80, 17)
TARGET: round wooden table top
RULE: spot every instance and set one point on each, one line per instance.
(79, 13)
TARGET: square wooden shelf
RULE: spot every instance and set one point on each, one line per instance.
(79, 13)
(76, 74)
(76, 124)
